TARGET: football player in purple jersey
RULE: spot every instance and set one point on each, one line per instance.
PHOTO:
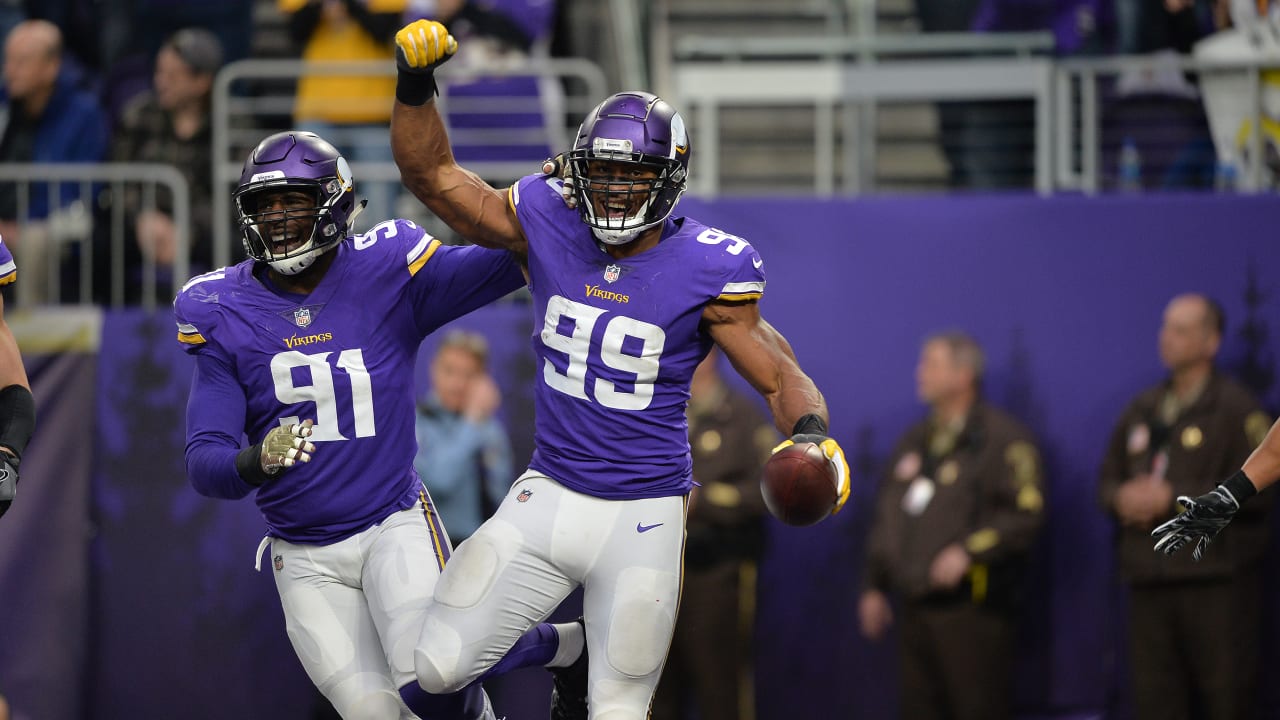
(307, 348)
(17, 407)
(628, 300)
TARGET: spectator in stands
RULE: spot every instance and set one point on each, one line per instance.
(1193, 626)
(997, 138)
(351, 111)
(1146, 26)
(464, 454)
(1249, 34)
(171, 124)
(50, 119)
(131, 32)
(711, 666)
(950, 16)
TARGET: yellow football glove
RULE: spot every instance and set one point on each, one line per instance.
(812, 428)
(421, 47)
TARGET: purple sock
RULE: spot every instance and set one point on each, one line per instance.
(466, 704)
(534, 649)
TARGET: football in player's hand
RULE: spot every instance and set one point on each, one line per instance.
(799, 484)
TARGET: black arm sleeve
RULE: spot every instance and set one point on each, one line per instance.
(249, 466)
(17, 418)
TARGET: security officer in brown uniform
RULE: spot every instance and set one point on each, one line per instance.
(1193, 626)
(954, 521)
(710, 664)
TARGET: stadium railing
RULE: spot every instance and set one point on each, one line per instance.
(1160, 103)
(70, 245)
(253, 98)
(1079, 118)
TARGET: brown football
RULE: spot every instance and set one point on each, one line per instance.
(799, 484)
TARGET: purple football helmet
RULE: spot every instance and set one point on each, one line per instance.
(629, 165)
(295, 161)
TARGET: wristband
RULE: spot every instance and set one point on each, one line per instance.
(17, 419)
(811, 424)
(1240, 487)
(415, 88)
(249, 466)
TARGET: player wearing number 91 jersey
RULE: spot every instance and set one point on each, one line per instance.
(628, 301)
(341, 356)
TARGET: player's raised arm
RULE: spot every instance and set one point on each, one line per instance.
(764, 358)
(420, 146)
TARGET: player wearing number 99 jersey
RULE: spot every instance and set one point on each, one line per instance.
(628, 301)
(308, 348)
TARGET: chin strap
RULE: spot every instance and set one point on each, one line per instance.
(355, 213)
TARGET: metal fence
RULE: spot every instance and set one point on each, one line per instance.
(253, 98)
(68, 257)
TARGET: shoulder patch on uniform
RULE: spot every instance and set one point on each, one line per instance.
(421, 253)
(982, 540)
(189, 334)
(1256, 427)
(738, 291)
(1024, 461)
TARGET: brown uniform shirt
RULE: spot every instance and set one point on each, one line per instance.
(981, 487)
(1204, 444)
(730, 439)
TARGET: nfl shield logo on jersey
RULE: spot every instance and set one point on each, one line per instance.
(612, 273)
(279, 562)
(302, 317)
(524, 495)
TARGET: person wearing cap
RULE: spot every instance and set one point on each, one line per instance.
(171, 125)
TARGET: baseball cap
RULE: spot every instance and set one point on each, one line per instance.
(198, 48)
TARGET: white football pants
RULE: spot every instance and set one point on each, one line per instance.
(353, 609)
(544, 541)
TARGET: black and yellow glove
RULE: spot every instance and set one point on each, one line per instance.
(813, 429)
(421, 47)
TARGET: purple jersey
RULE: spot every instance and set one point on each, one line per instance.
(617, 342)
(8, 269)
(342, 356)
